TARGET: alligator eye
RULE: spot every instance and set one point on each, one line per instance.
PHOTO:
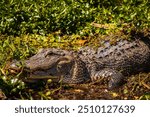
(49, 54)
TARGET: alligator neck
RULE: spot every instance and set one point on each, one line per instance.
(78, 73)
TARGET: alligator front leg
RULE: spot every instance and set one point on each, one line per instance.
(115, 78)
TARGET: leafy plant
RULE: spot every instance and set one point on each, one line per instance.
(69, 16)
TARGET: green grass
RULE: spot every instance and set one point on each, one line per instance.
(69, 16)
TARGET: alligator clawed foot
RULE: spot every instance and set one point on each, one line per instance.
(115, 77)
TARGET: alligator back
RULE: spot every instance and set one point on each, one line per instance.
(125, 56)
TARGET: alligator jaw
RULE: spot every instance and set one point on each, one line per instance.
(40, 74)
(43, 77)
(32, 79)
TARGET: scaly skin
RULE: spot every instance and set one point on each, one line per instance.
(114, 62)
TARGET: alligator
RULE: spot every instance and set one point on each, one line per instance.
(114, 62)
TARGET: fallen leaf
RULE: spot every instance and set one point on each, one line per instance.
(80, 42)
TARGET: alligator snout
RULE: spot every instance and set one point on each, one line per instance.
(33, 72)
(14, 66)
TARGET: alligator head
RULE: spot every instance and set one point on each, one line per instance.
(42, 65)
(53, 64)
